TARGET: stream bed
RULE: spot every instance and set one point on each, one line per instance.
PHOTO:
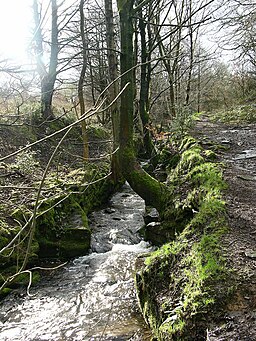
(92, 297)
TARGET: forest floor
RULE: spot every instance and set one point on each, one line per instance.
(236, 149)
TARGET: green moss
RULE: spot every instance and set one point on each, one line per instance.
(190, 158)
(3, 240)
(185, 280)
(210, 155)
(185, 143)
(149, 188)
(169, 157)
(98, 132)
(4, 292)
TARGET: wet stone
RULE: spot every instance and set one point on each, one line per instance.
(151, 215)
(109, 210)
(226, 142)
(117, 218)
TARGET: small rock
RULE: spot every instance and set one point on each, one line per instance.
(117, 218)
(225, 142)
(109, 210)
(153, 224)
(250, 254)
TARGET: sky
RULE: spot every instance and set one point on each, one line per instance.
(16, 23)
(16, 26)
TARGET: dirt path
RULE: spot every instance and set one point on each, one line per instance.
(236, 148)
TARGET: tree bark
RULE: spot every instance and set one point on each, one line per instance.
(170, 71)
(81, 82)
(48, 77)
(153, 192)
(113, 90)
(145, 76)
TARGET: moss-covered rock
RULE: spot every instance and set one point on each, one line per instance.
(63, 231)
(73, 243)
(182, 284)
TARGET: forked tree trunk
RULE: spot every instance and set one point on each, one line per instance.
(152, 191)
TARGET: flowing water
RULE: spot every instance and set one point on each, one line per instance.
(92, 297)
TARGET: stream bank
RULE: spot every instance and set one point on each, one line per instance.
(62, 231)
(183, 285)
(71, 188)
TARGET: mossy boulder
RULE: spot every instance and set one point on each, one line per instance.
(74, 242)
(63, 231)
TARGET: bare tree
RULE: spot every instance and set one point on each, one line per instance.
(239, 20)
(82, 78)
(47, 73)
(113, 89)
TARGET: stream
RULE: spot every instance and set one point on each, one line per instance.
(92, 297)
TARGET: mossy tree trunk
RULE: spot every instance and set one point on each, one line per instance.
(152, 191)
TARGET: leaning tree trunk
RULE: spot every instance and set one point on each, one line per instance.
(152, 191)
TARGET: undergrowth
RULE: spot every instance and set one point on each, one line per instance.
(238, 114)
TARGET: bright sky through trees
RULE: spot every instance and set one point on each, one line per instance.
(16, 24)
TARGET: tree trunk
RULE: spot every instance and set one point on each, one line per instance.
(47, 85)
(149, 150)
(170, 71)
(81, 82)
(48, 78)
(191, 56)
(113, 90)
(152, 191)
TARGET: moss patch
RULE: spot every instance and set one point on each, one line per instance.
(182, 283)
